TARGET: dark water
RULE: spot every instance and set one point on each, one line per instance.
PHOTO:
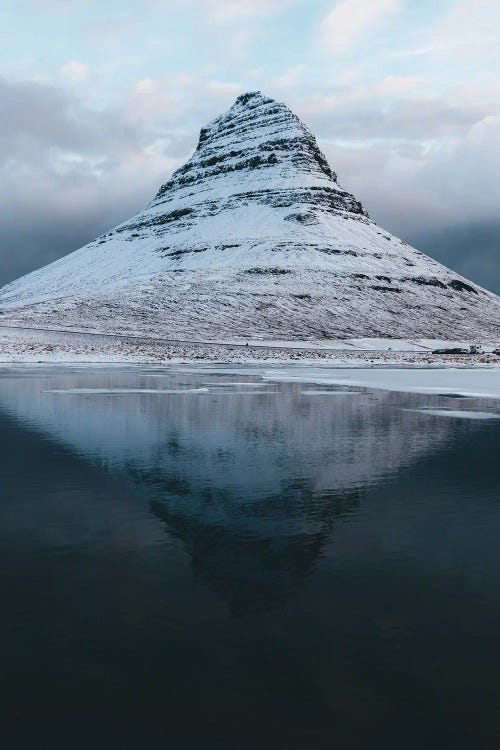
(238, 569)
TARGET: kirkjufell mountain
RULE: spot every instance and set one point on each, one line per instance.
(253, 238)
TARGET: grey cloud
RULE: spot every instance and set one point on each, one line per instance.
(69, 172)
(447, 206)
(27, 246)
(37, 117)
(473, 250)
(372, 116)
(452, 183)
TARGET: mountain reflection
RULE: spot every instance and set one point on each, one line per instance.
(251, 484)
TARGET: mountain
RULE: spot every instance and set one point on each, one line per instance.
(254, 237)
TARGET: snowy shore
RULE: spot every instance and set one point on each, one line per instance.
(44, 346)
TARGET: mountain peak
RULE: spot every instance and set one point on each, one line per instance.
(253, 97)
(255, 144)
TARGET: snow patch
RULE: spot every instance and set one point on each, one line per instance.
(456, 413)
(330, 393)
(474, 383)
(124, 391)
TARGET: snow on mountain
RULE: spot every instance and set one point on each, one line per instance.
(254, 237)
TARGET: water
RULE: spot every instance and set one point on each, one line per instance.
(245, 565)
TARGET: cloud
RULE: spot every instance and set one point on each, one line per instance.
(290, 78)
(75, 72)
(70, 171)
(397, 85)
(467, 23)
(462, 39)
(231, 12)
(35, 115)
(394, 109)
(349, 20)
(236, 24)
(472, 249)
(448, 184)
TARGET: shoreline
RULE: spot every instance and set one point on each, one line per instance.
(30, 346)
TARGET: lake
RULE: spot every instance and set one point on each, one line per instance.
(200, 557)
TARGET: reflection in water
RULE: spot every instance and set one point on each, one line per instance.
(251, 484)
(243, 554)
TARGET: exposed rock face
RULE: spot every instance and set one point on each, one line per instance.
(254, 237)
(262, 142)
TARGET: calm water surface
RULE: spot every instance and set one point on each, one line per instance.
(246, 565)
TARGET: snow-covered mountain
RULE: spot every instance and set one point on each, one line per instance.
(254, 237)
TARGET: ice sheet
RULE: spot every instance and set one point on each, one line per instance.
(477, 382)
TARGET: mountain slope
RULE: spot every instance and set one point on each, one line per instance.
(254, 237)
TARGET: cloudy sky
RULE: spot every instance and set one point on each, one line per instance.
(101, 99)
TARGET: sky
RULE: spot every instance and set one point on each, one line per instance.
(100, 100)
